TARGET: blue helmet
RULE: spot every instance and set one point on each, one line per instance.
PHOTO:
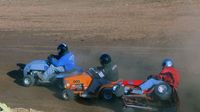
(167, 63)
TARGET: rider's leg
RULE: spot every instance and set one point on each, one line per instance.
(103, 81)
(95, 84)
(146, 85)
(50, 72)
(91, 89)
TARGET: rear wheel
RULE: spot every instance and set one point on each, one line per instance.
(163, 91)
(68, 95)
(28, 81)
(107, 94)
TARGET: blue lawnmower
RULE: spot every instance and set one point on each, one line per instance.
(35, 68)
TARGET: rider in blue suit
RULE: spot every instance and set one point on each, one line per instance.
(67, 61)
(63, 62)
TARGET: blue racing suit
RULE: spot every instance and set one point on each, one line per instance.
(66, 63)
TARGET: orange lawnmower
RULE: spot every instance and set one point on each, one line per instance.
(76, 85)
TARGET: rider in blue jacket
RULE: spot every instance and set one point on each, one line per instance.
(67, 61)
(63, 62)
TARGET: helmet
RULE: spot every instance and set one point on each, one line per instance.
(62, 48)
(105, 59)
(167, 63)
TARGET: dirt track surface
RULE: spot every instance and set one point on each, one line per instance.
(138, 34)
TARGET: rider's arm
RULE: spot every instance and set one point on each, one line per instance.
(156, 76)
(54, 61)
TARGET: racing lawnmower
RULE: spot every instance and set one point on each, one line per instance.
(76, 85)
(35, 68)
(32, 70)
(160, 98)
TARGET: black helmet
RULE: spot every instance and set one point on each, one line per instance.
(62, 48)
(105, 59)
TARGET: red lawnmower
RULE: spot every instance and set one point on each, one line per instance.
(160, 98)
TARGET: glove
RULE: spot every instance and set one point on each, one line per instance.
(50, 57)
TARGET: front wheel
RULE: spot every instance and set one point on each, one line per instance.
(68, 95)
(28, 81)
(118, 90)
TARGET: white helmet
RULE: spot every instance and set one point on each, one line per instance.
(167, 62)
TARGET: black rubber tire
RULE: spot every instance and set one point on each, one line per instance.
(163, 96)
(67, 95)
(28, 81)
(107, 94)
(58, 84)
